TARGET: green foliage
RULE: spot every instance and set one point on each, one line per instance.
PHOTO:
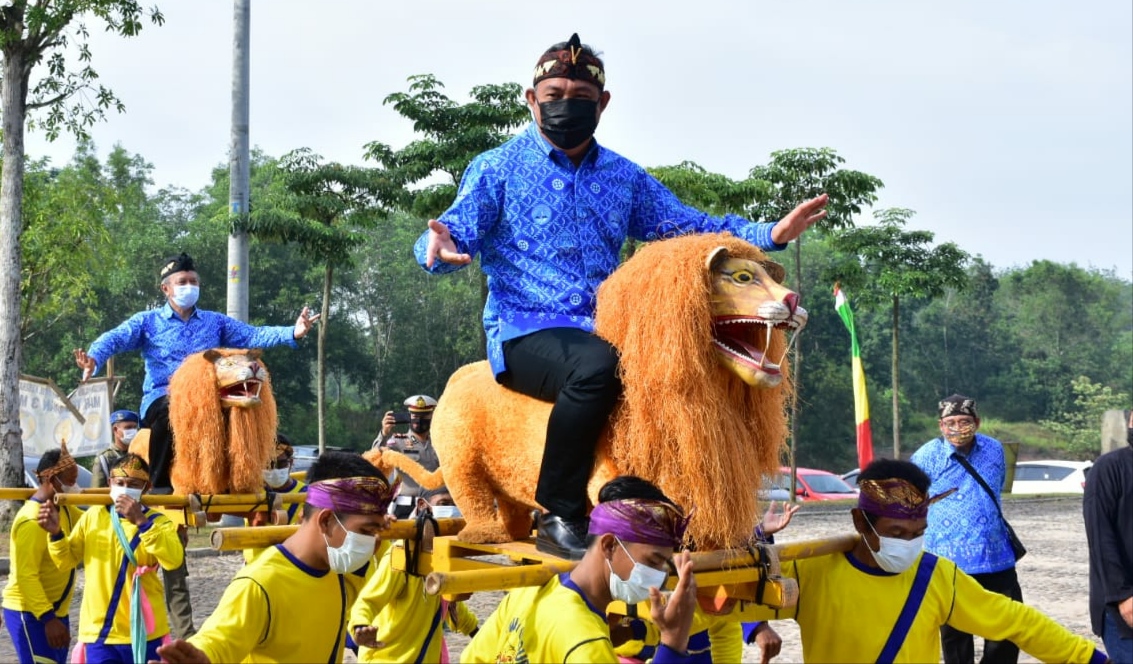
(801, 174)
(452, 134)
(713, 193)
(1080, 424)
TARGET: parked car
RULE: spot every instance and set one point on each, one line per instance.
(31, 463)
(772, 489)
(816, 484)
(852, 477)
(1050, 476)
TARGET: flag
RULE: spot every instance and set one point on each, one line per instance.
(861, 399)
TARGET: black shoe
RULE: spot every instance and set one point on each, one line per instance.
(560, 537)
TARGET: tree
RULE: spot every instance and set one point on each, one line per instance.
(796, 176)
(891, 263)
(1080, 424)
(31, 33)
(322, 207)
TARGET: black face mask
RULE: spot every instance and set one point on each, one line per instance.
(568, 123)
(420, 426)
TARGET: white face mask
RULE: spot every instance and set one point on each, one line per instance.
(445, 512)
(69, 488)
(128, 435)
(355, 551)
(115, 491)
(276, 477)
(186, 295)
(641, 579)
(896, 555)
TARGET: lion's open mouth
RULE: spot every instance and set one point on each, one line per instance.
(243, 392)
(745, 339)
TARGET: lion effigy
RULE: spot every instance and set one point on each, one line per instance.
(223, 417)
(700, 326)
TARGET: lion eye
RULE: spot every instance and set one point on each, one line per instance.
(743, 276)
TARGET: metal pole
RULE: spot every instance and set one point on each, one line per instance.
(238, 162)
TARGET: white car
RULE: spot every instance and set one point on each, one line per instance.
(1033, 477)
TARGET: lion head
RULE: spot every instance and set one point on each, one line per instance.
(223, 417)
(704, 373)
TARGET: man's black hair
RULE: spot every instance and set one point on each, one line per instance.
(884, 469)
(586, 48)
(49, 459)
(629, 486)
(334, 465)
(126, 457)
(435, 492)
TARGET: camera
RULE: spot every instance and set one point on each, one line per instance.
(401, 417)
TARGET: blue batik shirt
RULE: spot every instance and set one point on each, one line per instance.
(165, 341)
(549, 233)
(966, 527)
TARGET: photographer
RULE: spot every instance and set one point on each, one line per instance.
(415, 444)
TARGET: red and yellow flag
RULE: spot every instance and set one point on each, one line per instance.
(861, 398)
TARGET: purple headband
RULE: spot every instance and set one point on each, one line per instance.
(640, 521)
(895, 498)
(351, 495)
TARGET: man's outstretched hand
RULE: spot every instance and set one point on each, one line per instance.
(801, 218)
(305, 322)
(441, 246)
(85, 362)
(179, 651)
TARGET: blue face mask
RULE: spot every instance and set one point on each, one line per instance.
(185, 296)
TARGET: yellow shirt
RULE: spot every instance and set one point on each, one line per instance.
(294, 514)
(550, 623)
(847, 610)
(278, 609)
(397, 604)
(105, 612)
(35, 584)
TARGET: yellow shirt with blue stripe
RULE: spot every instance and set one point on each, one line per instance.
(35, 584)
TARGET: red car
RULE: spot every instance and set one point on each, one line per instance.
(816, 484)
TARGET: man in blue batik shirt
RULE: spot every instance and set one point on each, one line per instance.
(966, 527)
(165, 337)
(548, 212)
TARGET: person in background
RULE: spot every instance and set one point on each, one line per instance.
(1107, 508)
(123, 427)
(277, 479)
(966, 527)
(417, 444)
(37, 599)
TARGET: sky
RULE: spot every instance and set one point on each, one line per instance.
(1007, 126)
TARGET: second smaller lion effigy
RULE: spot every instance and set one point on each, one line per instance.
(223, 417)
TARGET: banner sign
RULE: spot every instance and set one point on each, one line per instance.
(48, 416)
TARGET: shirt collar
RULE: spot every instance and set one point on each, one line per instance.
(168, 312)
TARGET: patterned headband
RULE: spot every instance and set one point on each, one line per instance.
(640, 521)
(133, 467)
(352, 495)
(65, 463)
(895, 498)
(571, 62)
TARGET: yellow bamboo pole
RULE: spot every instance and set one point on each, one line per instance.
(235, 539)
(234, 502)
(507, 577)
(24, 493)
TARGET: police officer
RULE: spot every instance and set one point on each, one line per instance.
(415, 444)
(123, 426)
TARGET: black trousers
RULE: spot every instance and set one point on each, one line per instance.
(160, 443)
(578, 371)
(959, 647)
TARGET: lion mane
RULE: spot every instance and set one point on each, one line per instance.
(218, 449)
(685, 421)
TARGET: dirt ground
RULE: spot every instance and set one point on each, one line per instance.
(1054, 574)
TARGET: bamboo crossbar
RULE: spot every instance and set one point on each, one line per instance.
(217, 503)
(24, 493)
(235, 539)
(740, 561)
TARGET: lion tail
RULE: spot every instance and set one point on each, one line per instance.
(387, 460)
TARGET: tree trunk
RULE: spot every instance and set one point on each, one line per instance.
(321, 363)
(13, 105)
(896, 366)
(796, 368)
